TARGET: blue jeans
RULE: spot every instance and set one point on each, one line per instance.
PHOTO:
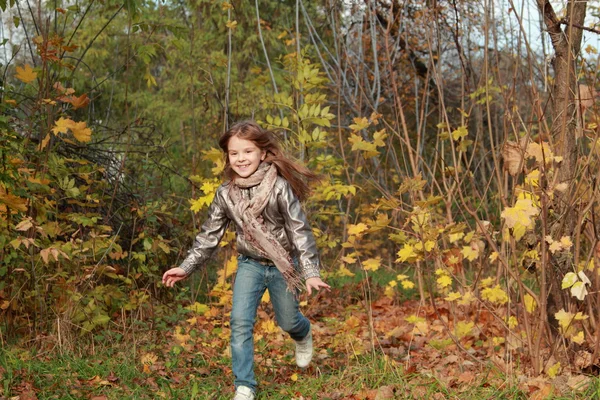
(251, 281)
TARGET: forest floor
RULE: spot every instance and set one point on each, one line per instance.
(402, 350)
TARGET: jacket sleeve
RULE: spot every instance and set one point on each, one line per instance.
(299, 232)
(208, 239)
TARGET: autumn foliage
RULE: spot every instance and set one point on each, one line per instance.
(444, 209)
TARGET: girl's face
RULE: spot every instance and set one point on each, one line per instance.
(244, 156)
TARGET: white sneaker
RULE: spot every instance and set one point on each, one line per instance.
(304, 350)
(243, 393)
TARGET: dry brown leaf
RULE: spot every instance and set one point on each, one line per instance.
(512, 153)
(384, 393)
(578, 382)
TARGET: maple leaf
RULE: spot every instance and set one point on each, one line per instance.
(521, 213)
(358, 143)
(62, 125)
(554, 370)
(470, 252)
(566, 242)
(198, 308)
(79, 102)
(26, 74)
(512, 322)
(379, 137)
(343, 271)
(406, 284)
(359, 124)
(533, 178)
(467, 299)
(231, 24)
(357, 229)
(453, 296)
(541, 152)
(495, 295)
(453, 237)
(407, 254)
(578, 338)
(554, 247)
(444, 281)
(372, 264)
(564, 318)
(463, 329)
(81, 132)
(459, 133)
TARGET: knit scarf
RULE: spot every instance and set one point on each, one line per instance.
(255, 231)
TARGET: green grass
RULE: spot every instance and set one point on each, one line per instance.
(121, 376)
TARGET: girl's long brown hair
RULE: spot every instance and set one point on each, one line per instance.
(266, 140)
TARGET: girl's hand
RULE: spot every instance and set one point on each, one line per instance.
(172, 276)
(317, 284)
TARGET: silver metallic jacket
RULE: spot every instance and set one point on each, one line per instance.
(283, 217)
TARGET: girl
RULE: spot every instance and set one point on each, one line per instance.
(276, 246)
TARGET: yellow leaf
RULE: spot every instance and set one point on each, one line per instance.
(198, 308)
(579, 338)
(512, 322)
(294, 377)
(470, 252)
(26, 74)
(564, 318)
(393, 283)
(359, 124)
(566, 243)
(389, 292)
(343, 271)
(467, 299)
(530, 303)
(459, 133)
(226, 6)
(554, 247)
(533, 178)
(81, 132)
(62, 125)
(454, 237)
(541, 152)
(407, 284)
(495, 295)
(266, 297)
(494, 256)
(453, 296)
(372, 264)
(520, 214)
(357, 229)
(444, 281)
(463, 329)
(407, 253)
(401, 277)
(554, 370)
(231, 24)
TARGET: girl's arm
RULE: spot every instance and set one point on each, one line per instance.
(210, 235)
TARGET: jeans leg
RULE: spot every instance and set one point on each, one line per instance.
(285, 305)
(248, 289)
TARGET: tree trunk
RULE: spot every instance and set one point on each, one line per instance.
(566, 43)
